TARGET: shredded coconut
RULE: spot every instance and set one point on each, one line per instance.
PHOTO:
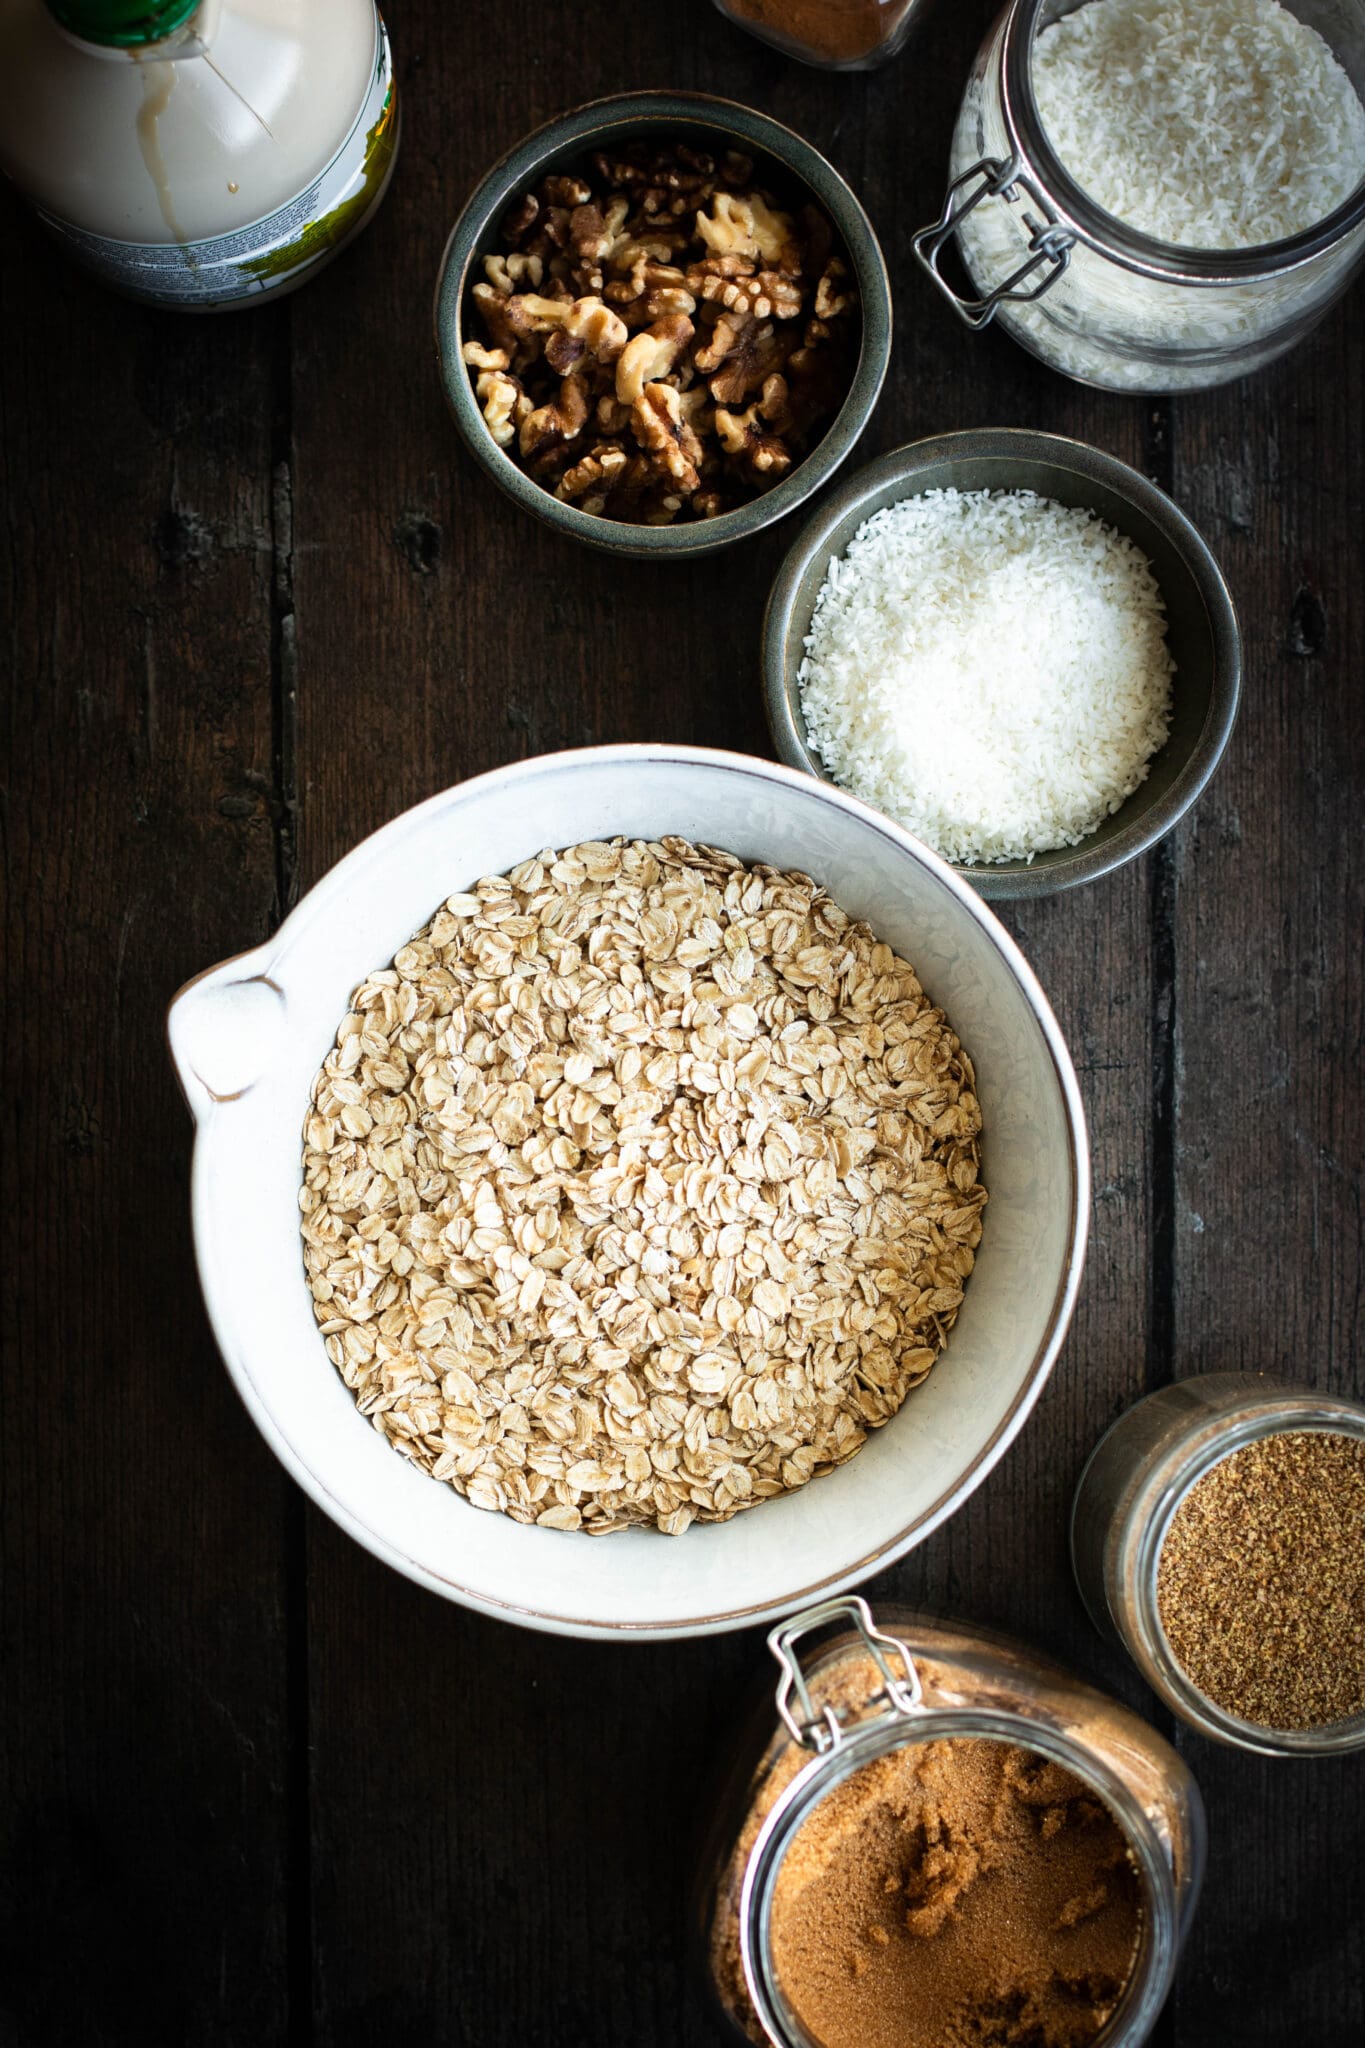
(990, 668)
(1215, 124)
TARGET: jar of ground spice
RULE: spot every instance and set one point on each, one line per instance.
(1219, 1532)
(838, 35)
(944, 1839)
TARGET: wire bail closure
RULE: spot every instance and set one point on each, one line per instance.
(824, 1731)
(1050, 244)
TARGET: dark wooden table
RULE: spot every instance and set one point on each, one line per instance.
(256, 1788)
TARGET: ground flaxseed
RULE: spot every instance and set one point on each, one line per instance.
(957, 1893)
(1261, 1581)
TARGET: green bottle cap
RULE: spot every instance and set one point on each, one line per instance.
(121, 23)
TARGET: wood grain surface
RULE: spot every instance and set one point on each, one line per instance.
(254, 1788)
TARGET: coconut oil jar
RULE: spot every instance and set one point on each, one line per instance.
(1157, 198)
(198, 154)
(939, 1829)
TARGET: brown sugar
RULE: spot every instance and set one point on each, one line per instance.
(1261, 1581)
(957, 1894)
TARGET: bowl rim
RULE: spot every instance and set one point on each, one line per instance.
(1084, 862)
(575, 131)
(218, 1285)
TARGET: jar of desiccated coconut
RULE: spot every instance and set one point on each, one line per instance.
(941, 1831)
(1158, 198)
(1218, 1532)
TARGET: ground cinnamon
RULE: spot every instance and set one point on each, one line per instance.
(830, 31)
(956, 1893)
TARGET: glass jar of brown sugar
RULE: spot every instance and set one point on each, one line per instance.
(839, 35)
(1218, 1532)
(943, 1830)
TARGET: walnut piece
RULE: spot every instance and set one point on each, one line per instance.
(600, 330)
(747, 435)
(774, 406)
(746, 227)
(483, 358)
(767, 296)
(589, 244)
(568, 192)
(550, 426)
(498, 394)
(759, 352)
(518, 223)
(650, 355)
(651, 290)
(612, 416)
(666, 436)
(505, 273)
(833, 295)
(597, 471)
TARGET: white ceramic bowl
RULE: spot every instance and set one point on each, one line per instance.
(248, 1037)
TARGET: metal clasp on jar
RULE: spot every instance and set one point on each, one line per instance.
(824, 1731)
(1050, 244)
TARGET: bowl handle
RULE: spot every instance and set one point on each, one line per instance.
(222, 1029)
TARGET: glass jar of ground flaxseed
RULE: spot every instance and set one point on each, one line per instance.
(1218, 1533)
(941, 1831)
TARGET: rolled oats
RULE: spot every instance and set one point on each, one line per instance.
(639, 1188)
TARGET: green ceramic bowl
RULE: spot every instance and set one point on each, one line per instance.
(1202, 626)
(781, 158)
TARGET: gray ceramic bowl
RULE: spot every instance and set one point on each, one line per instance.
(1202, 625)
(781, 158)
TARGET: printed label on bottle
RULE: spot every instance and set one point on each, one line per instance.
(231, 270)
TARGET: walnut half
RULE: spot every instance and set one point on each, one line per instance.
(666, 436)
(651, 354)
(746, 226)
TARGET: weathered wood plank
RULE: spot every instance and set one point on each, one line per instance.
(1003, 1558)
(498, 1817)
(1270, 1129)
(142, 1746)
